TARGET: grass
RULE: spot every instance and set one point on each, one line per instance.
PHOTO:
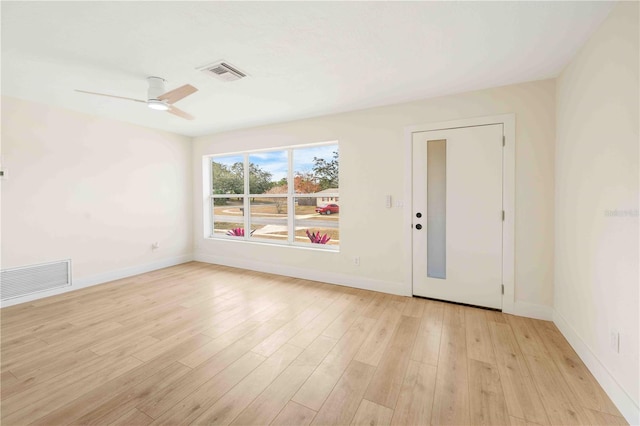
(334, 234)
(225, 226)
(334, 216)
(301, 234)
(270, 209)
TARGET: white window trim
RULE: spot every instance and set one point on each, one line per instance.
(291, 195)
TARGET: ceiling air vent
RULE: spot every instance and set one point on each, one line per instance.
(223, 71)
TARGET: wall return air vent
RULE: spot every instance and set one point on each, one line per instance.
(223, 71)
(25, 280)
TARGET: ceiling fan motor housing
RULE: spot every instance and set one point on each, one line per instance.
(156, 88)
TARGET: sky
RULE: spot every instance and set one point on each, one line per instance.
(275, 162)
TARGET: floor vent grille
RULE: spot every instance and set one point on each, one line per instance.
(25, 280)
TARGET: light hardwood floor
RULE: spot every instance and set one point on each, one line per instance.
(200, 344)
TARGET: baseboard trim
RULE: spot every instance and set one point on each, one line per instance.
(529, 310)
(291, 271)
(104, 277)
(524, 309)
(627, 406)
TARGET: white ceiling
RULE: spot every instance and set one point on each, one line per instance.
(304, 58)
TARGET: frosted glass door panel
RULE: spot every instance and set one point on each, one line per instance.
(437, 208)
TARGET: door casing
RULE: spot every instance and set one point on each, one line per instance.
(508, 198)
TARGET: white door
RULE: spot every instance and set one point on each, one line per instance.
(457, 215)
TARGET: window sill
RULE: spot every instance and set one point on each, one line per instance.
(298, 246)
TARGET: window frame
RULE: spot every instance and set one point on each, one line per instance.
(247, 197)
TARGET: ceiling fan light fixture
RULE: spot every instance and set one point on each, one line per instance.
(157, 105)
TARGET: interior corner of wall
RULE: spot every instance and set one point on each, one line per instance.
(622, 400)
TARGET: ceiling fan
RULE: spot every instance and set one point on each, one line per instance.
(158, 98)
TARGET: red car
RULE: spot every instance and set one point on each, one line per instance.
(328, 209)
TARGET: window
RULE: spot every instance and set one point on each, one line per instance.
(278, 196)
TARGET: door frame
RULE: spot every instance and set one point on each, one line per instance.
(508, 197)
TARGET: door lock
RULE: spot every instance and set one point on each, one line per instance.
(418, 226)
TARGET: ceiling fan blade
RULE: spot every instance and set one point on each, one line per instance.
(175, 95)
(112, 96)
(180, 113)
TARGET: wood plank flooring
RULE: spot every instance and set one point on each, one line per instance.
(206, 344)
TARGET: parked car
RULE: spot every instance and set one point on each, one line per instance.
(328, 209)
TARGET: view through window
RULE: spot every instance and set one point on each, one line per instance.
(283, 196)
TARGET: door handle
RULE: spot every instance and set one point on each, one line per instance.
(418, 226)
(418, 215)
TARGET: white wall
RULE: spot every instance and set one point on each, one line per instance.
(372, 160)
(95, 190)
(596, 255)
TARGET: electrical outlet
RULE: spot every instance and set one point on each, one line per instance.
(614, 341)
(356, 260)
(388, 202)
